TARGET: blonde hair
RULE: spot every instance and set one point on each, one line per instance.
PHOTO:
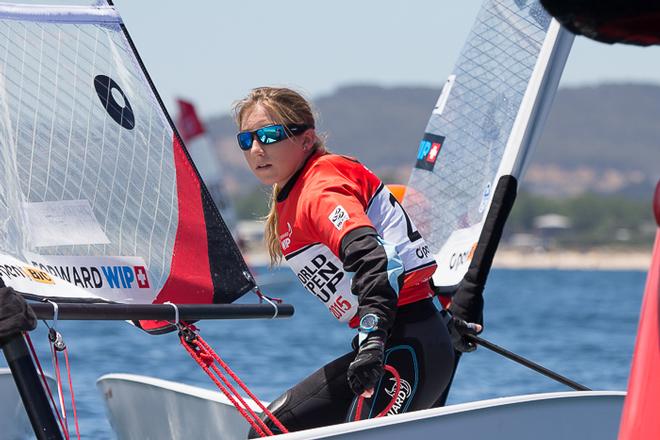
(285, 106)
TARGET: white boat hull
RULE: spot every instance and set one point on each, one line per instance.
(14, 422)
(176, 411)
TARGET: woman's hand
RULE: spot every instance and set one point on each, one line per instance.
(459, 330)
(367, 368)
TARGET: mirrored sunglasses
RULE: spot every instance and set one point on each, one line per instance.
(269, 134)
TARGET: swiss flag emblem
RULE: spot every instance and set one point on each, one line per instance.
(433, 152)
(141, 277)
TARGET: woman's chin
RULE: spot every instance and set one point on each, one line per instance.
(265, 176)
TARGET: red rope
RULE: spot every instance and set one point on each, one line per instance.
(397, 377)
(73, 398)
(233, 375)
(43, 379)
(205, 357)
(252, 418)
(60, 391)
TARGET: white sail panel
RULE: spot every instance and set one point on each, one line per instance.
(486, 120)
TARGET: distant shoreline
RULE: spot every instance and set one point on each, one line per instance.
(593, 259)
(507, 258)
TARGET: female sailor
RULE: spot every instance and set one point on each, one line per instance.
(351, 244)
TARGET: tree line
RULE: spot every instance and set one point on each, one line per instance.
(594, 219)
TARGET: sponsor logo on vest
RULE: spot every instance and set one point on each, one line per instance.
(320, 277)
(404, 394)
(338, 217)
(285, 239)
(422, 251)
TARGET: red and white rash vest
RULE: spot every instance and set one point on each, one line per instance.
(330, 198)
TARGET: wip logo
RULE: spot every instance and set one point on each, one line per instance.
(429, 149)
(124, 276)
(404, 394)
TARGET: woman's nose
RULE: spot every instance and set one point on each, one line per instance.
(257, 148)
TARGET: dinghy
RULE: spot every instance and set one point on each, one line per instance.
(194, 412)
(88, 145)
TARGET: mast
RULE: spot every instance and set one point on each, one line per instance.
(30, 388)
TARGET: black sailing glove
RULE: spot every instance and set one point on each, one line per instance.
(367, 368)
(458, 329)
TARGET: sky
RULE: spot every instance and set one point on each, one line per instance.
(214, 52)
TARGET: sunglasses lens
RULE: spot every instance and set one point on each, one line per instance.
(245, 140)
(272, 134)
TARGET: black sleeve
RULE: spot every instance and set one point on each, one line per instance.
(362, 253)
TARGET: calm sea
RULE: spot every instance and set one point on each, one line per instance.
(581, 324)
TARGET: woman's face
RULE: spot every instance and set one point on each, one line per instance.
(274, 163)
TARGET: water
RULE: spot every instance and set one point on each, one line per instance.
(581, 324)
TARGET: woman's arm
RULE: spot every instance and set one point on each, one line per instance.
(377, 274)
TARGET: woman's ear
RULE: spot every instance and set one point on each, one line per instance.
(308, 139)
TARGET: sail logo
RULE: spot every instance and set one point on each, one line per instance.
(38, 275)
(114, 101)
(404, 394)
(429, 150)
(10, 271)
(458, 259)
(124, 276)
(91, 277)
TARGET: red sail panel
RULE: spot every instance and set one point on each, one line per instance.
(190, 280)
(640, 420)
(188, 123)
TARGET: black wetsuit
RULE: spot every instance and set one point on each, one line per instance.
(352, 246)
(418, 348)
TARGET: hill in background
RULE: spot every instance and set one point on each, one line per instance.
(602, 139)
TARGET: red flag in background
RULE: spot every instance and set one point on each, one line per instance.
(641, 411)
(188, 123)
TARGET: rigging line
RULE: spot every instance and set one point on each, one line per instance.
(277, 310)
(176, 312)
(225, 366)
(195, 352)
(527, 363)
(56, 312)
(43, 378)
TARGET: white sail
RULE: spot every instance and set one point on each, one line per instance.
(483, 127)
(99, 198)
